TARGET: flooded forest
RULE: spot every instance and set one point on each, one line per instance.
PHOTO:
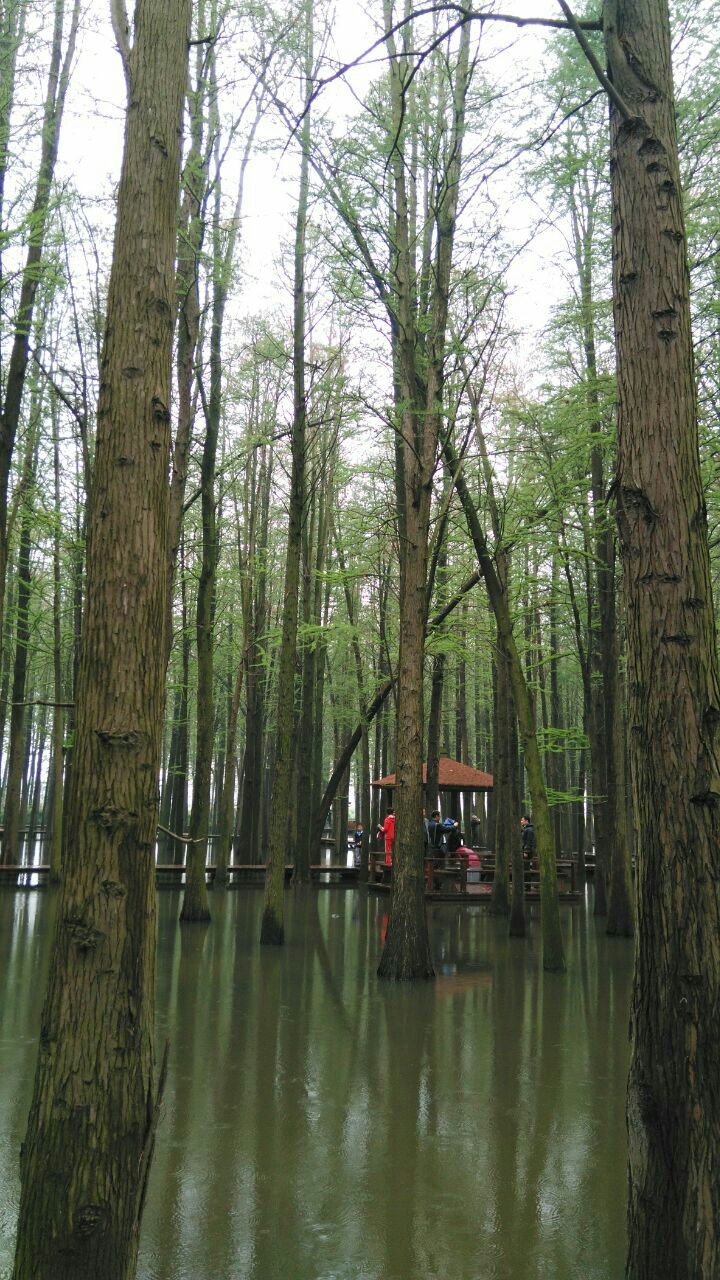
(359, 685)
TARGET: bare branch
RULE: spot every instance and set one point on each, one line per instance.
(464, 15)
(121, 31)
(586, 47)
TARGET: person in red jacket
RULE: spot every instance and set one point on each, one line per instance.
(388, 829)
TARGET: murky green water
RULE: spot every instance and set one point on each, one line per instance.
(319, 1125)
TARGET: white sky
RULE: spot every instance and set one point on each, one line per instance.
(91, 147)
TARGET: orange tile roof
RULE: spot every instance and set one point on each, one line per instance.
(453, 776)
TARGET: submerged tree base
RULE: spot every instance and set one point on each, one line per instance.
(405, 959)
(404, 973)
(517, 925)
(620, 928)
(499, 903)
(553, 960)
(194, 915)
(272, 933)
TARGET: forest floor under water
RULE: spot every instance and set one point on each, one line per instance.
(319, 1124)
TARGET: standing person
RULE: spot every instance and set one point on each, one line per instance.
(435, 829)
(453, 838)
(528, 840)
(388, 828)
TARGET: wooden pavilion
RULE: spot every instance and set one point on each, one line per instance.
(454, 780)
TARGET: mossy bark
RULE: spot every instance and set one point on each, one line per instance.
(87, 1153)
(673, 1110)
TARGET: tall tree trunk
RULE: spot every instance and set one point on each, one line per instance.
(272, 930)
(179, 781)
(620, 916)
(12, 28)
(227, 814)
(37, 783)
(252, 564)
(196, 905)
(190, 242)
(87, 1153)
(432, 786)
(18, 712)
(406, 954)
(54, 819)
(555, 745)
(553, 951)
(503, 835)
(673, 1112)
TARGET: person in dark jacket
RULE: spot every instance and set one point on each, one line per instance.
(435, 830)
(528, 840)
(453, 838)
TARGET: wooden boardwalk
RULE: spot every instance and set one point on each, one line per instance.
(446, 879)
(170, 874)
(453, 880)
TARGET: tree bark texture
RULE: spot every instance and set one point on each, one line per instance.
(88, 1147)
(673, 1111)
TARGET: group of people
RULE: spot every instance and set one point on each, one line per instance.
(446, 836)
(441, 836)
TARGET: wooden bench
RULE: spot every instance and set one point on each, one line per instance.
(566, 871)
(442, 874)
(379, 873)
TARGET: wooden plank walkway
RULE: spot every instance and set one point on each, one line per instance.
(445, 879)
(452, 880)
(19, 875)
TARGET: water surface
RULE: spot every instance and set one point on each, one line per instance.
(319, 1125)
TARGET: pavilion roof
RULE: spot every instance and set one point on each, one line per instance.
(453, 776)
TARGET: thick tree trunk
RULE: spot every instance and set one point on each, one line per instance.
(673, 682)
(87, 1152)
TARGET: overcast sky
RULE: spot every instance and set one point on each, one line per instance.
(92, 142)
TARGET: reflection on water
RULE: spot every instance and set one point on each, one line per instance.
(321, 1126)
